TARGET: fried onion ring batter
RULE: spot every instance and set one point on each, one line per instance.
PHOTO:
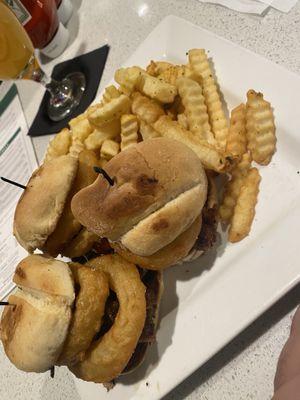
(88, 312)
(108, 356)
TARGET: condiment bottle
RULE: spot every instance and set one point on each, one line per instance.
(40, 20)
(64, 10)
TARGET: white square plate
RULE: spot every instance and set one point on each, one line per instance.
(208, 302)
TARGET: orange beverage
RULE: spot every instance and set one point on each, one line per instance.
(17, 61)
(16, 50)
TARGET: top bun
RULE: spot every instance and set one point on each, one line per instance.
(147, 176)
(42, 202)
(38, 273)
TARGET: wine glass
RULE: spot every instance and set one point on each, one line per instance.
(18, 61)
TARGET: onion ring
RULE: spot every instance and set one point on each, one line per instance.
(108, 356)
(88, 313)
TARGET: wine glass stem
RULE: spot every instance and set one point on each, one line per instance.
(65, 95)
(55, 88)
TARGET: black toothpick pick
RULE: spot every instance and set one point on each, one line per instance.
(105, 175)
(52, 371)
(13, 182)
(5, 303)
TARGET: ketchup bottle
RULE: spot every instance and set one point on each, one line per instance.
(64, 10)
(40, 20)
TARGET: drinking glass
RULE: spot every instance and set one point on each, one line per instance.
(18, 61)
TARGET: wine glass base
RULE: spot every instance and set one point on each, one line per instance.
(68, 98)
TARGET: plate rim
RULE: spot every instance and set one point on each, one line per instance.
(166, 23)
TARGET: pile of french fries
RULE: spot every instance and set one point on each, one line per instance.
(182, 102)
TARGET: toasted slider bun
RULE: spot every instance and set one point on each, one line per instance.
(160, 188)
(67, 226)
(168, 255)
(164, 225)
(33, 331)
(41, 274)
(35, 325)
(42, 202)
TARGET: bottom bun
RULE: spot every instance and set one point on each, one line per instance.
(168, 255)
(33, 330)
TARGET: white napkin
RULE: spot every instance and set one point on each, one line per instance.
(254, 6)
(281, 5)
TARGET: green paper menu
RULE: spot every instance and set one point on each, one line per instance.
(17, 161)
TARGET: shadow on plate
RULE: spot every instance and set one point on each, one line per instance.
(258, 328)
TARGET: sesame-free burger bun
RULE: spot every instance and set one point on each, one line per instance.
(33, 331)
(160, 188)
(164, 225)
(35, 325)
(39, 273)
(42, 202)
(168, 255)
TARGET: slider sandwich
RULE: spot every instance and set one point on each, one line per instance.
(43, 218)
(98, 319)
(155, 210)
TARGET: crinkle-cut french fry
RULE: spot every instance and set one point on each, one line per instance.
(183, 121)
(195, 108)
(80, 127)
(236, 144)
(110, 92)
(157, 67)
(59, 145)
(156, 89)
(199, 63)
(110, 111)
(233, 187)
(210, 157)
(128, 78)
(212, 195)
(129, 130)
(107, 131)
(174, 108)
(244, 210)
(93, 107)
(76, 147)
(151, 68)
(171, 74)
(109, 149)
(146, 109)
(75, 120)
(170, 113)
(260, 128)
(191, 74)
(147, 131)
